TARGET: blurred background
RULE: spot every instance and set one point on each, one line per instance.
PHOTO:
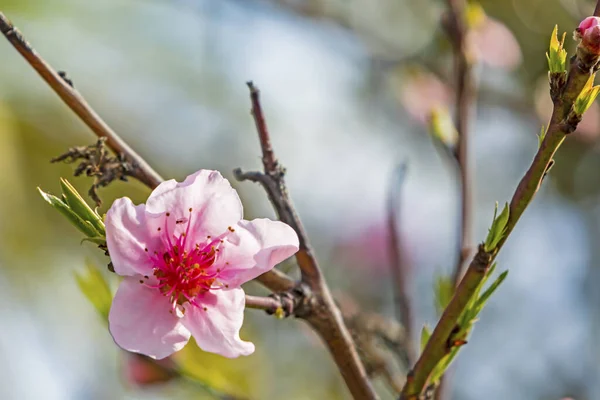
(347, 87)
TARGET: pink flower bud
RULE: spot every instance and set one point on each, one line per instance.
(140, 370)
(589, 33)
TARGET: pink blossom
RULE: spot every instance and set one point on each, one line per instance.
(495, 45)
(420, 92)
(183, 256)
(589, 33)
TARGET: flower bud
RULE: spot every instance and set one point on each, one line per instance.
(140, 370)
(588, 32)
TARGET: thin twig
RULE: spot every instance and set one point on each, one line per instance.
(400, 268)
(562, 122)
(144, 173)
(318, 307)
(274, 280)
(464, 102)
(597, 10)
(457, 30)
(269, 304)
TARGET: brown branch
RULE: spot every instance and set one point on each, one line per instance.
(400, 269)
(275, 280)
(597, 9)
(563, 122)
(318, 307)
(143, 172)
(464, 102)
(457, 30)
(270, 304)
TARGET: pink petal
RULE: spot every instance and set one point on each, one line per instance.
(254, 248)
(126, 238)
(495, 45)
(421, 92)
(216, 323)
(588, 22)
(214, 202)
(140, 321)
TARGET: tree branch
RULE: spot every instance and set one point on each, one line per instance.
(464, 102)
(143, 172)
(275, 280)
(399, 266)
(457, 30)
(318, 307)
(562, 122)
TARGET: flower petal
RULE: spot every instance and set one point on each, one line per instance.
(254, 248)
(126, 238)
(215, 204)
(140, 321)
(216, 323)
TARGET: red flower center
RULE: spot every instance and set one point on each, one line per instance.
(183, 274)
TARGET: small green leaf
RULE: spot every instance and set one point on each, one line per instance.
(586, 97)
(95, 288)
(442, 127)
(74, 200)
(84, 226)
(425, 335)
(444, 290)
(99, 240)
(541, 136)
(557, 55)
(489, 291)
(498, 229)
(475, 15)
(442, 366)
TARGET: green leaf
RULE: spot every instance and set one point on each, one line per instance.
(498, 229)
(425, 335)
(78, 205)
(541, 136)
(557, 55)
(99, 240)
(444, 290)
(442, 366)
(475, 15)
(442, 127)
(586, 97)
(489, 291)
(95, 288)
(84, 226)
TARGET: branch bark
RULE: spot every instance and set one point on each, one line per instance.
(318, 307)
(562, 122)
